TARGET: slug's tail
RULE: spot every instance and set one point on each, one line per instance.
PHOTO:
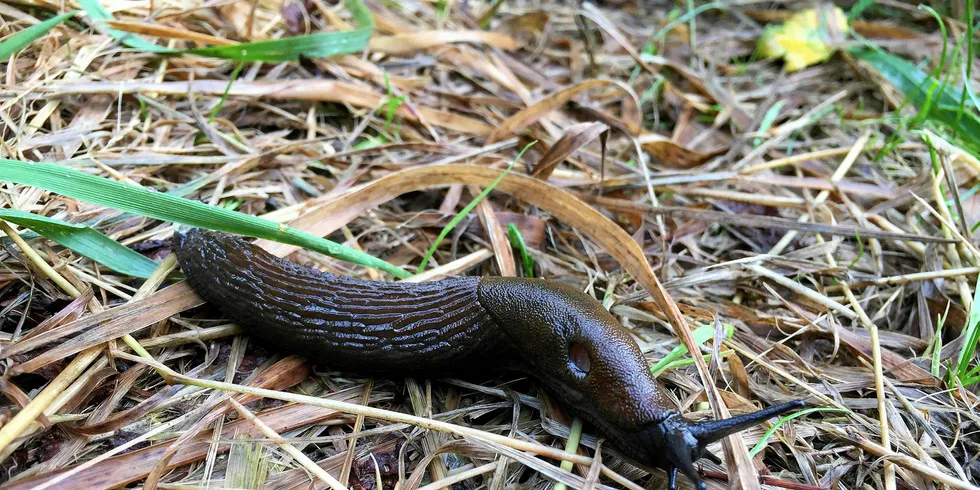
(685, 441)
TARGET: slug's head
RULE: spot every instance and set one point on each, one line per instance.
(578, 351)
(675, 443)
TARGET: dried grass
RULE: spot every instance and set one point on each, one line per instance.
(833, 266)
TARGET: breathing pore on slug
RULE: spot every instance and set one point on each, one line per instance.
(562, 337)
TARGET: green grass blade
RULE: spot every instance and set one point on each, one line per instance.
(85, 241)
(517, 241)
(860, 243)
(224, 95)
(392, 104)
(768, 119)
(969, 90)
(469, 207)
(571, 447)
(772, 430)
(701, 335)
(939, 102)
(98, 13)
(23, 38)
(318, 45)
(936, 346)
(162, 206)
(360, 13)
(914, 82)
(971, 336)
(688, 361)
(970, 48)
(858, 9)
(690, 14)
(490, 13)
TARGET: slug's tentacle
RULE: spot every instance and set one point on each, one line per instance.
(336, 320)
(713, 430)
(556, 333)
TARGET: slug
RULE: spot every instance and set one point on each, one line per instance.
(561, 336)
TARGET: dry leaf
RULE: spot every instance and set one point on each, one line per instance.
(528, 28)
(673, 155)
(574, 138)
(806, 38)
(406, 43)
(157, 30)
(867, 28)
(544, 106)
(236, 15)
(498, 237)
(296, 15)
(319, 90)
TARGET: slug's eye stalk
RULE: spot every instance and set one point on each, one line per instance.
(684, 442)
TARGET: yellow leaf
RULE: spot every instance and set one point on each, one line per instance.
(805, 38)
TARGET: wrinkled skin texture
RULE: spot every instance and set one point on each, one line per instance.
(555, 333)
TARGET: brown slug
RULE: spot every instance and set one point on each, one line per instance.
(561, 336)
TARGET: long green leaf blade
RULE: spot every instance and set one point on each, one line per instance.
(772, 430)
(517, 241)
(318, 45)
(162, 206)
(18, 41)
(971, 336)
(942, 101)
(85, 241)
(701, 335)
(469, 207)
(904, 75)
(98, 13)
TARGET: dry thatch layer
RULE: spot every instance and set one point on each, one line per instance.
(792, 230)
